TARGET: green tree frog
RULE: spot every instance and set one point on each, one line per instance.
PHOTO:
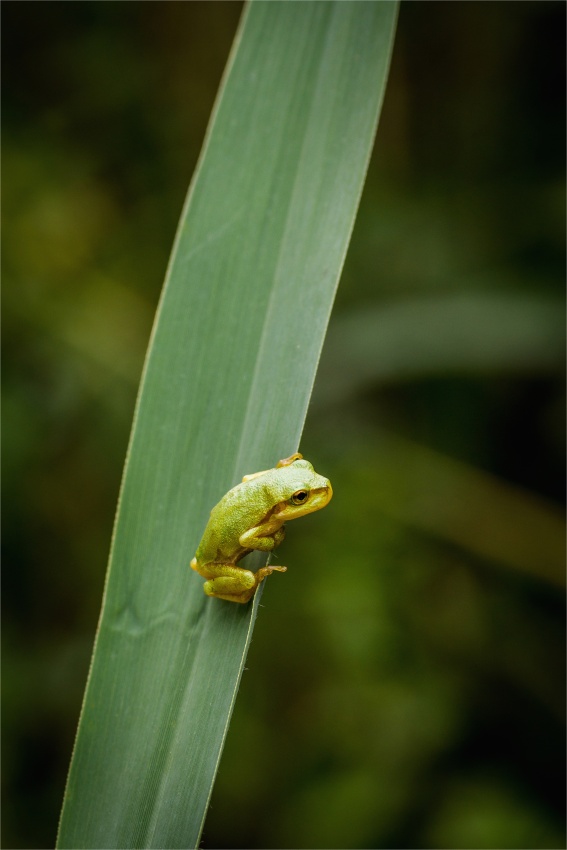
(252, 516)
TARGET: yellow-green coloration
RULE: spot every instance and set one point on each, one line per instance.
(252, 516)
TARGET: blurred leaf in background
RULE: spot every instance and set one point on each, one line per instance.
(407, 687)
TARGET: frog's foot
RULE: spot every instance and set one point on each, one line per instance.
(236, 584)
(264, 572)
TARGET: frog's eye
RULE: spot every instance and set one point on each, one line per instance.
(300, 497)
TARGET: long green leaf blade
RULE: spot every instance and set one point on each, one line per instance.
(224, 392)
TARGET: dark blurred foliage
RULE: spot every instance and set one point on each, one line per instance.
(406, 678)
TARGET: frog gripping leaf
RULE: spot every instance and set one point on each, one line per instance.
(252, 516)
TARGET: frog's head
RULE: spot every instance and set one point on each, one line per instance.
(301, 490)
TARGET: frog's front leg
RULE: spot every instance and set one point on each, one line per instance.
(263, 537)
(235, 584)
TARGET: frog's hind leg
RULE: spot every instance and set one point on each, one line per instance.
(234, 583)
(239, 586)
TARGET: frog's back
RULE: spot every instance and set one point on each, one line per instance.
(239, 510)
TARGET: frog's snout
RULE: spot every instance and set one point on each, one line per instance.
(326, 492)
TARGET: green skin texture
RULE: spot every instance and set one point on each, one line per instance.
(252, 516)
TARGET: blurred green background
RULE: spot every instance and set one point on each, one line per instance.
(406, 681)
